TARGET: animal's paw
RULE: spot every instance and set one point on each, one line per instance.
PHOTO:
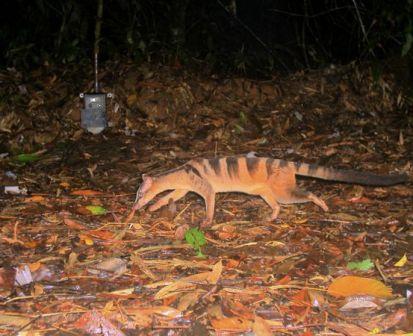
(206, 223)
(273, 219)
(324, 206)
(180, 231)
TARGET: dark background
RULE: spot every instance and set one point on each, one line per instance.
(244, 36)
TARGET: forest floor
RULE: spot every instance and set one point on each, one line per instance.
(72, 264)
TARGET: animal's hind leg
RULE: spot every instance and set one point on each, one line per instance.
(302, 196)
(270, 199)
(174, 195)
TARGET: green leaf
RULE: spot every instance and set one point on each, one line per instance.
(243, 118)
(364, 265)
(96, 210)
(196, 239)
(408, 44)
(27, 157)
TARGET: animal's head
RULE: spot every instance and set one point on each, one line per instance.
(142, 195)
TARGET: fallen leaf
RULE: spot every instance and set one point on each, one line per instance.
(7, 276)
(74, 224)
(95, 323)
(96, 210)
(85, 192)
(23, 275)
(14, 320)
(115, 266)
(353, 285)
(238, 324)
(64, 185)
(190, 282)
(364, 265)
(261, 327)
(402, 261)
(35, 199)
(359, 302)
(102, 234)
(27, 157)
(86, 239)
(189, 299)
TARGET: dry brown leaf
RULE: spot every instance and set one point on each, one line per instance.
(261, 327)
(14, 320)
(237, 308)
(102, 234)
(85, 192)
(257, 231)
(143, 316)
(354, 285)
(348, 329)
(226, 235)
(141, 319)
(165, 311)
(74, 224)
(231, 323)
(215, 274)
(172, 289)
(35, 199)
(189, 283)
(359, 302)
(93, 322)
(189, 299)
(117, 266)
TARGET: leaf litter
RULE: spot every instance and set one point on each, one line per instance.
(73, 261)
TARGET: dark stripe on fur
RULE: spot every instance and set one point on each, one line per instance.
(192, 169)
(268, 166)
(214, 163)
(312, 169)
(232, 166)
(252, 165)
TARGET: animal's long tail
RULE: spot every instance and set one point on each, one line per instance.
(349, 176)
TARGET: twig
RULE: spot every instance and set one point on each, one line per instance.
(255, 36)
(377, 264)
(363, 29)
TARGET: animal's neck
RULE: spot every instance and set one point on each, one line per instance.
(166, 181)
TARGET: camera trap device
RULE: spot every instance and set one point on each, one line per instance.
(93, 115)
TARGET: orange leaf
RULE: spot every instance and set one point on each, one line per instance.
(261, 327)
(102, 234)
(73, 224)
(284, 280)
(85, 192)
(65, 185)
(86, 239)
(34, 199)
(34, 266)
(231, 323)
(353, 285)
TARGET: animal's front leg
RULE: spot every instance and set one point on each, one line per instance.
(174, 195)
(209, 209)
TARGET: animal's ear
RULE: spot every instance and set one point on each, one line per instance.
(144, 187)
(146, 183)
